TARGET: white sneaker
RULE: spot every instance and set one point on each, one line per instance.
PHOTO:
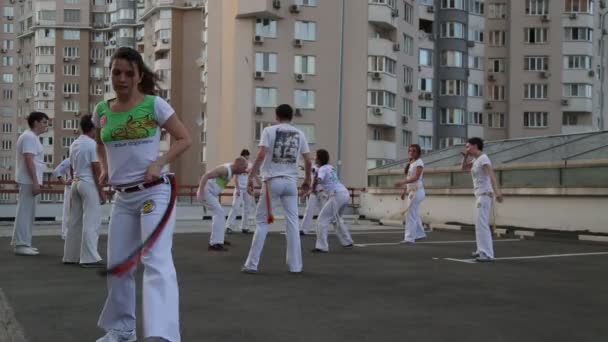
(26, 250)
(119, 336)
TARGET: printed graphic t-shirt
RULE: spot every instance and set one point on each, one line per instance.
(132, 138)
(329, 179)
(285, 144)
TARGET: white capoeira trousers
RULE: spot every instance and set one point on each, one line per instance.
(24, 219)
(134, 217)
(413, 223)
(285, 191)
(332, 211)
(67, 190)
(483, 233)
(242, 202)
(218, 219)
(313, 203)
(83, 224)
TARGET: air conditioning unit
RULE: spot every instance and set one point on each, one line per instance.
(258, 75)
(66, 59)
(404, 120)
(377, 111)
(139, 39)
(591, 73)
(545, 18)
(545, 74)
(45, 94)
(573, 16)
(300, 77)
(18, 50)
(488, 105)
(294, 9)
(491, 78)
(376, 75)
(430, 9)
(10, 17)
(396, 47)
(75, 131)
(112, 42)
(297, 42)
(565, 102)
(154, 43)
(66, 96)
(258, 39)
(165, 40)
(49, 165)
(431, 37)
(298, 112)
(470, 43)
(421, 96)
(27, 65)
(27, 100)
(409, 88)
(276, 4)
(106, 43)
(428, 96)
(258, 110)
(3, 50)
(77, 114)
(93, 61)
(395, 12)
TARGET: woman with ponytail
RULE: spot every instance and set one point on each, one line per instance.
(414, 189)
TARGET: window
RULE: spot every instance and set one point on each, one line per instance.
(46, 15)
(9, 11)
(165, 13)
(96, 54)
(70, 106)
(381, 98)
(425, 113)
(535, 119)
(408, 107)
(536, 35)
(578, 62)
(426, 143)
(67, 141)
(310, 3)
(7, 145)
(451, 59)
(452, 30)
(425, 57)
(477, 7)
(72, 2)
(408, 45)
(584, 34)
(71, 88)
(48, 158)
(304, 99)
(579, 6)
(8, 61)
(305, 65)
(6, 127)
(406, 138)
(475, 118)
(425, 84)
(44, 86)
(536, 63)
(475, 90)
(445, 142)
(71, 35)
(496, 92)
(8, 44)
(381, 64)
(70, 124)
(578, 90)
(452, 116)
(497, 11)
(452, 87)
(71, 52)
(126, 14)
(452, 4)
(71, 15)
(476, 35)
(266, 28)
(305, 30)
(8, 28)
(162, 34)
(409, 13)
(496, 120)
(125, 32)
(497, 65)
(71, 70)
(408, 76)
(7, 94)
(259, 127)
(570, 119)
(45, 68)
(266, 61)
(7, 78)
(45, 33)
(45, 51)
(475, 62)
(266, 97)
(498, 38)
(537, 7)
(308, 130)
(535, 91)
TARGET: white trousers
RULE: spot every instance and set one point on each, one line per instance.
(332, 211)
(67, 190)
(83, 224)
(413, 223)
(24, 218)
(218, 219)
(134, 217)
(285, 191)
(242, 202)
(483, 233)
(313, 203)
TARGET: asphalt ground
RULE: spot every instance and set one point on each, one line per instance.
(378, 291)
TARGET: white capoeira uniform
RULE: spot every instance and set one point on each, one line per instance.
(415, 195)
(241, 199)
(135, 215)
(211, 199)
(63, 170)
(314, 201)
(85, 212)
(338, 197)
(284, 144)
(482, 185)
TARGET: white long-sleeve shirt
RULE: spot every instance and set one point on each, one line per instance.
(63, 170)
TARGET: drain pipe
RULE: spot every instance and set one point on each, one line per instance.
(341, 94)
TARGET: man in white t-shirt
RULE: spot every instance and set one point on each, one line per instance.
(87, 198)
(280, 149)
(28, 175)
(485, 188)
(62, 172)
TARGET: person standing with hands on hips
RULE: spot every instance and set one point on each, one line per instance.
(128, 148)
(486, 189)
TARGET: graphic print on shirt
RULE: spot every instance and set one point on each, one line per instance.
(286, 147)
(138, 123)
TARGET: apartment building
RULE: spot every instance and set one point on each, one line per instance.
(8, 92)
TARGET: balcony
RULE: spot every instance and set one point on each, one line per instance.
(570, 129)
(382, 16)
(382, 81)
(380, 116)
(578, 76)
(261, 8)
(578, 104)
(161, 45)
(380, 149)
(382, 47)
